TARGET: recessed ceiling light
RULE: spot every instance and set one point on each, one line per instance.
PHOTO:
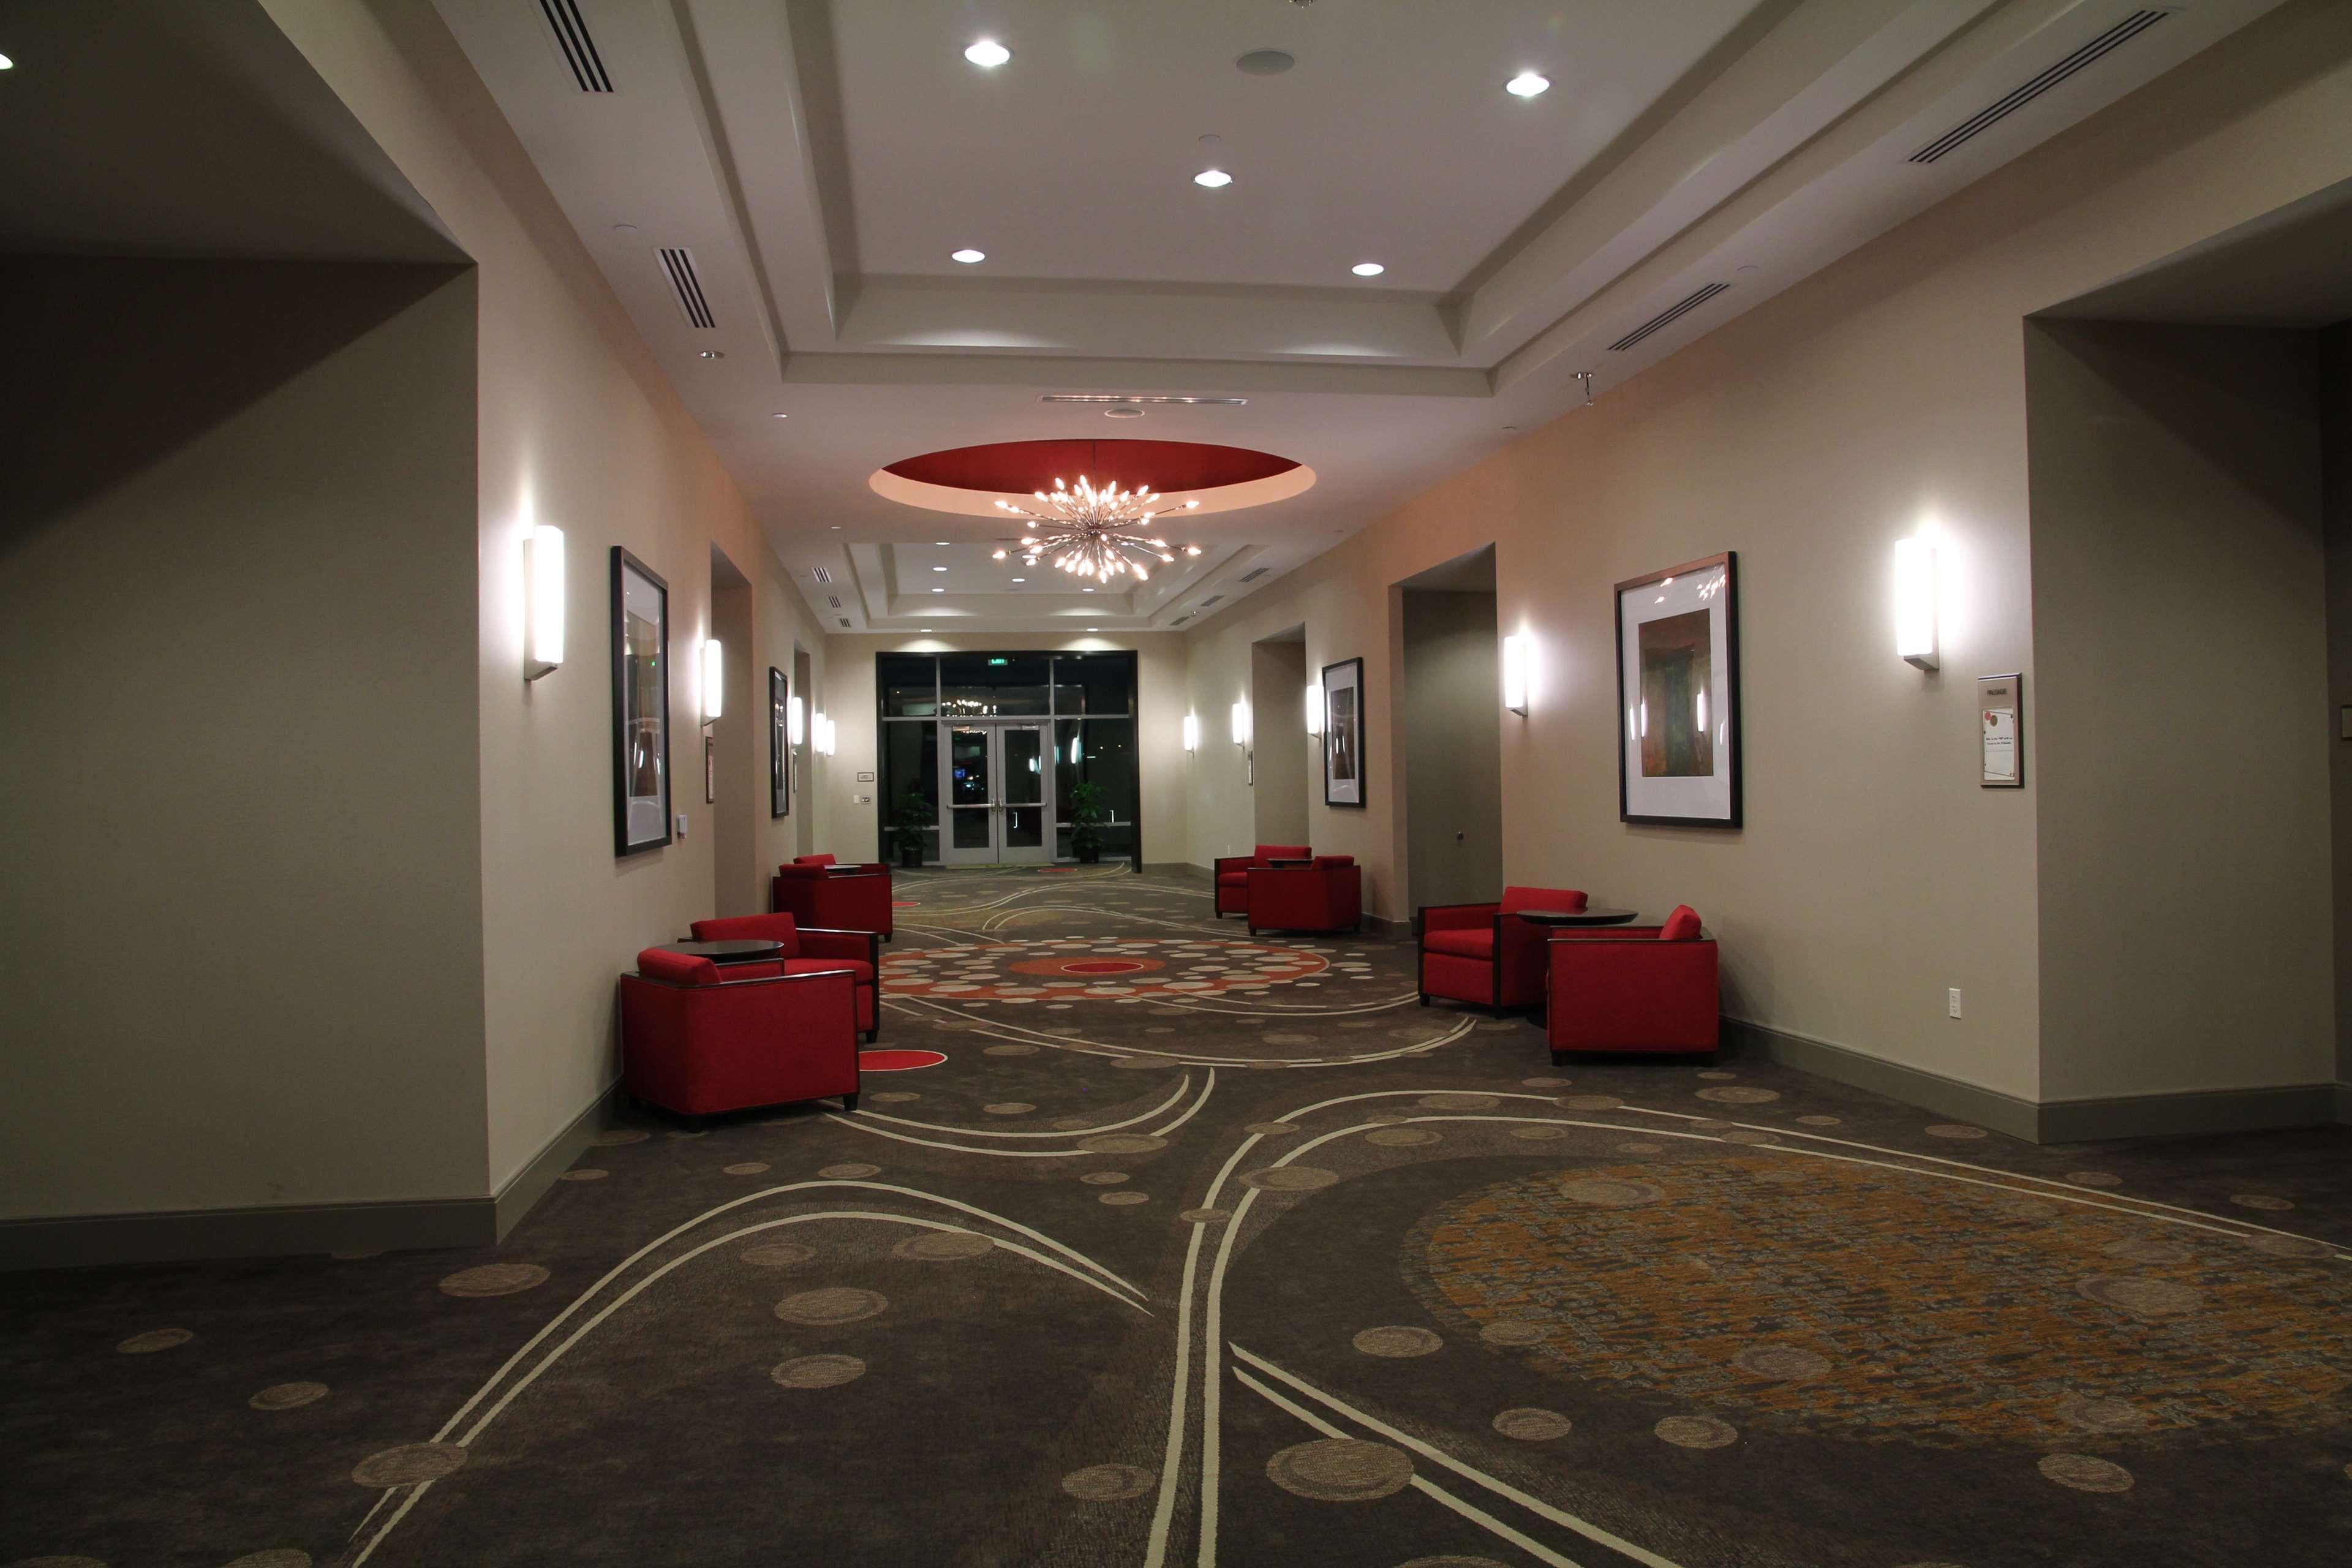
(1265, 62)
(939, 568)
(1086, 590)
(1021, 579)
(942, 543)
(938, 590)
(1094, 628)
(1368, 270)
(1527, 84)
(988, 52)
(1215, 179)
(837, 527)
(780, 417)
(968, 256)
(713, 353)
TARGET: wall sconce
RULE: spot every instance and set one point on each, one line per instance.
(795, 722)
(824, 735)
(714, 677)
(1192, 734)
(1515, 675)
(1314, 707)
(1240, 724)
(543, 613)
(1914, 602)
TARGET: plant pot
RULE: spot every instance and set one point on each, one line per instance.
(1090, 856)
(910, 856)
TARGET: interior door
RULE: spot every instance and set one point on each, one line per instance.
(1024, 831)
(968, 836)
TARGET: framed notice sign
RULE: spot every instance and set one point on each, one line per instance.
(2001, 708)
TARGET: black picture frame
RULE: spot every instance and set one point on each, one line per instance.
(1344, 759)
(780, 743)
(1734, 731)
(631, 830)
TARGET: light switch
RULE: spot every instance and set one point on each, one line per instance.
(681, 824)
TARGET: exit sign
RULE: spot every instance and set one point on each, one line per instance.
(1000, 661)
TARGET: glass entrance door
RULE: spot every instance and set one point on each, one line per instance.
(997, 802)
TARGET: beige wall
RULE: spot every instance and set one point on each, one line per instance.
(242, 861)
(1279, 743)
(2180, 638)
(1881, 396)
(1159, 741)
(579, 428)
(1453, 748)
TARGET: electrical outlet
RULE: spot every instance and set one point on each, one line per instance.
(1952, 1002)
(681, 824)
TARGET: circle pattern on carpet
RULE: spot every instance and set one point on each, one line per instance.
(1340, 1470)
(1983, 1317)
(1095, 967)
(898, 1061)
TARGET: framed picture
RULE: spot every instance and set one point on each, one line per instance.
(1678, 690)
(641, 813)
(780, 743)
(1343, 733)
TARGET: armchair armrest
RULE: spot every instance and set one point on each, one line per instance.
(1223, 863)
(823, 942)
(1458, 916)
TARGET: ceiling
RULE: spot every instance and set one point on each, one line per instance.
(2292, 268)
(150, 128)
(816, 162)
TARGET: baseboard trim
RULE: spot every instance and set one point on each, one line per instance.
(2189, 1115)
(527, 1187)
(1184, 868)
(179, 1236)
(1914, 1086)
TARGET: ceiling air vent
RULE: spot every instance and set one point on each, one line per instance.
(678, 263)
(1667, 317)
(1155, 400)
(579, 49)
(1254, 576)
(822, 574)
(2001, 108)
(844, 623)
(1179, 621)
(834, 599)
(1204, 604)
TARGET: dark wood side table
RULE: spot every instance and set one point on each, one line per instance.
(745, 950)
(1575, 917)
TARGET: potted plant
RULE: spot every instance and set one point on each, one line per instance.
(1088, 814)
(911, 815)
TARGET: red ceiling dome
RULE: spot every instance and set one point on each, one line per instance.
(1024, 466)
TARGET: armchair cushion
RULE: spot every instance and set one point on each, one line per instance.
(779, 928)
(1681, 926)
(1461, 942)
(1517, 899)
(1266, 852)
(812, 860)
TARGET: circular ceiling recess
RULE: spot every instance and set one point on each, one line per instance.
(972, 479)
(1265, 62)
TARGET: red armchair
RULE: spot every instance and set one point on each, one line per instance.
(1635, 988)
(1478, 953)
(824, 896)
(1232, 874)
(697, 1039)
(813, 950)
(1328, 895)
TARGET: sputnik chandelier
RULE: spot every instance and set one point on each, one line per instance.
(1097, 533)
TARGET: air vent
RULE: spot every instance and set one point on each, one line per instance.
(823, 573)
(1157, 402)
(833, 600)
(579, 49)
(1254, 575)
(1211, 599)
(2000, 109)
(1179, 621)
(680, 264)
(844, 623)
(1667, 317)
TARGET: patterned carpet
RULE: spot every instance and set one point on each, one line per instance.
(1196, 1248)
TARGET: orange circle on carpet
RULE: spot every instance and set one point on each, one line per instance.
(897, 1062)
(1084, 965)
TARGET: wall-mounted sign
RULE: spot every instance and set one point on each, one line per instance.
(2000, 707)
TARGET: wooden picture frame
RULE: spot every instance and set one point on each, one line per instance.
(780, 743)
(641, 774)
(1344, 771)
(1678, 727)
